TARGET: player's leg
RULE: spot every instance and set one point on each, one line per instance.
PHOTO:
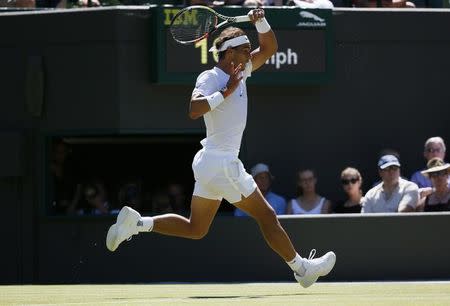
(306, 271)
(129, 222)
(196, 227)
(204, 205)
(256, 206)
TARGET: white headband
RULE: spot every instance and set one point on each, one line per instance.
(234, 42)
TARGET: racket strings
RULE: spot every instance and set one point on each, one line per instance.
(192, 25)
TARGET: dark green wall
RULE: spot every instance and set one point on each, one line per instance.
(406, 247)
(87, 71)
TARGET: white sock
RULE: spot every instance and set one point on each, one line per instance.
(145, 224)
(296, 265)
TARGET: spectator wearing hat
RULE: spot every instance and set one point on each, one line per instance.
(393, 193)
(434, 148)
(439, 200)
(264, 179)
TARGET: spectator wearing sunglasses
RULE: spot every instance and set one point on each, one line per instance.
(439, 199)
(434, 148)
(393, 194)
(351, 184)
(307, 200)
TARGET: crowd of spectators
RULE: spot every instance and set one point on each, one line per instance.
(76, 193)
(305, 4)
(427, 190)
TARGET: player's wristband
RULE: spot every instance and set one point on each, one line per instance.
(215, 99)
(262, 26)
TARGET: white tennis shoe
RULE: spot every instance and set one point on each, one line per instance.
(314, 268)
(124, 228)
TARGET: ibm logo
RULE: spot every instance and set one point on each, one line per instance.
(190, 18)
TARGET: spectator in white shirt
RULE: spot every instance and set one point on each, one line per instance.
(393, 194)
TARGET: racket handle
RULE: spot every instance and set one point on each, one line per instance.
(243, 18)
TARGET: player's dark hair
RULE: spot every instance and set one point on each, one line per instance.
(227, 34)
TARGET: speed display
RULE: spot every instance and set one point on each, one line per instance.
(304, 48)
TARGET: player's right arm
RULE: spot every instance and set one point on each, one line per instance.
(198, 106)
(206, 96)
(205, 86)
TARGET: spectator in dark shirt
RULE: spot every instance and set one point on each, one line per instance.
(351, 183)
(439, 199)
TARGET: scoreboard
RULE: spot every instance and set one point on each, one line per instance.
(304, 47)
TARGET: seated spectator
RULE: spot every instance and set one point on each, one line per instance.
(170, 199)
(439, 199)
(96, 202)
(245, 3)
(311, 4)
(264, 179)
(161, 204)
(273, 3)
(388, 151)
(434, 148)
(351, 183)
(206, 2)
(51, 3)
(255, 3)
(308, 201)
(18, 3)
(72, 3)
(130, 194)
(66, 189)
(177, 197)
(384, 3)
(393, 194)
(88, 3)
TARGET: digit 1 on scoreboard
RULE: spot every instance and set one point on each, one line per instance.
(203, 45)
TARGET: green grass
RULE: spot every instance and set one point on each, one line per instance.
(414, 293)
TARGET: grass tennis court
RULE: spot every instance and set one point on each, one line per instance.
(389, 293)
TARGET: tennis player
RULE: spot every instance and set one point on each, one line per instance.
(220, 97)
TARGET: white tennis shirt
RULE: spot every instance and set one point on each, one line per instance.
(226, 123)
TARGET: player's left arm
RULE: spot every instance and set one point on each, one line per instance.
(268, 44)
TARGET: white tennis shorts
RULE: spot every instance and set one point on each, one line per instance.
(221, 175)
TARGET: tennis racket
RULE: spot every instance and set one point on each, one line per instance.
(197, 22)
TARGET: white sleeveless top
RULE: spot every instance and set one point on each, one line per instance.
(298, 210)
(226, 123)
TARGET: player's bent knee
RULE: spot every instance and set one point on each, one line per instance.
(197, 234)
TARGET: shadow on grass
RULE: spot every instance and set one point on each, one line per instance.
(246, 296)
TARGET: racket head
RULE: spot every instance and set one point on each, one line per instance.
(193, 23)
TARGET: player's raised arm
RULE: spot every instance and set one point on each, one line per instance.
(200, 104)
(267, 41)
